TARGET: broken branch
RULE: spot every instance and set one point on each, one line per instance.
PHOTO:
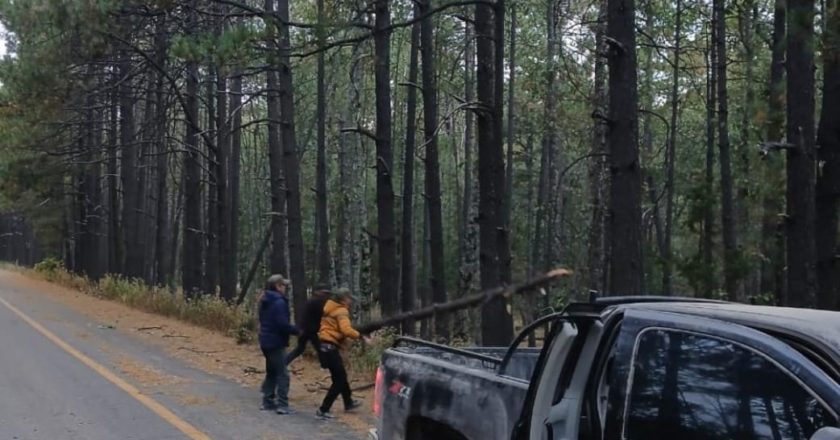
(770, 146)
(465, 302)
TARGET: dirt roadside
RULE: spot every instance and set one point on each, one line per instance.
(203, 349)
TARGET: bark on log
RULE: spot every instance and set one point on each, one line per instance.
(465, 302)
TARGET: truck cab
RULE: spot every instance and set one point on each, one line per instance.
(649, 369)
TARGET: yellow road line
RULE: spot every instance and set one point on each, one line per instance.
(191, 431)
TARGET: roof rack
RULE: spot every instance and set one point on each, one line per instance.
(618, 300)
(598, 304)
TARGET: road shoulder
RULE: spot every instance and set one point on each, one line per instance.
(202, 374)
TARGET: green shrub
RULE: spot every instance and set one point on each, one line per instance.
(246, 331)
(49, 266)
(53, 270)
(364, 358)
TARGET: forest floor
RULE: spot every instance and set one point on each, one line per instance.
(208, 351)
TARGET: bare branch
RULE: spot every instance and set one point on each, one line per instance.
(768, 147)
(615, 44)
(360, 130)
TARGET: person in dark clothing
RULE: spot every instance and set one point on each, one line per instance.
(335, 330)
(311, 322)
(275, 329)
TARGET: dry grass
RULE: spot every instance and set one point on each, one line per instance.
(209, 312)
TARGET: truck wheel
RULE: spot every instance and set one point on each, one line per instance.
(424, 429)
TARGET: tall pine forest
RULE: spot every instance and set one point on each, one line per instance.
(419, 151)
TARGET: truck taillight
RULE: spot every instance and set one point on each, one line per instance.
(377, 391)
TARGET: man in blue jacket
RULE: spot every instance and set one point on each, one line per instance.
(275, 329)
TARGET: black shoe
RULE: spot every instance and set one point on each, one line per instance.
(324, 415)
(353, 405)
(285, 411)
(268, 406)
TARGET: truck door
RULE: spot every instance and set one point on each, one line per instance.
(681, 377)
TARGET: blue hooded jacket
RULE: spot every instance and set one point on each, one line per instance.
(275, 322)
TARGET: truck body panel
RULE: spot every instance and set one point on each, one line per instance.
(580, 384)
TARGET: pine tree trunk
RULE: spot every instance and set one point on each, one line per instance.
(291, 163)
(801, 246)
(99, 227)
(388, 270)
(277, 258)
(146, 177)
(647, 146)
(469, 277)
(670, 162)
(211, 270)
(131, 203)
(496, 321)
(747, 18)
(321, 206)
(731, 272)
(597, 255)
(625, 219)
(192, 253)
(235, 118)
(503, 233)
(437, 279)
(88, 192)
(707, 235)
(408, 255)
(227, 263)
(114, 234)
(163, 259)
(352, 212)
(541, 243)
(828, 179)
(507, 209)
(772, 235)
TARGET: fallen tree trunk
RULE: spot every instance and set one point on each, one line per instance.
(464, 302)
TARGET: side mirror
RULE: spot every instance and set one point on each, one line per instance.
(827, 433)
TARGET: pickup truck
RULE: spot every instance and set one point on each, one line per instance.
(635, 368)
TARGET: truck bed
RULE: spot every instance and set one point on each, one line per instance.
(521, 365)
(426, 381)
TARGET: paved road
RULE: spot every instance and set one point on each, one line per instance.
(60, 379)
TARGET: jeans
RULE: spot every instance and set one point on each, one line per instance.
(275, 387)
(301, 346)
(331, 359)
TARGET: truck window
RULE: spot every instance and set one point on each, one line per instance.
(696, 387)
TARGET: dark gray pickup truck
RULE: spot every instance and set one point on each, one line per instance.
(640, 368)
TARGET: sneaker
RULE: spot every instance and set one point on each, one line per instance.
(353, 405)
(324, 415)
(285, 411)
(268, 406)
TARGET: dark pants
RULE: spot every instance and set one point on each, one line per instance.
(331, 359)
(275, 387)
(301, 346)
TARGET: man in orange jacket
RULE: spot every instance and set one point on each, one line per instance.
(336, 329)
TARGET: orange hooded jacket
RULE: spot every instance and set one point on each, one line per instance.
(335, 324)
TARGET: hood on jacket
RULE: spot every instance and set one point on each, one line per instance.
(335, 324)
(270, 297)
(332, 306)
